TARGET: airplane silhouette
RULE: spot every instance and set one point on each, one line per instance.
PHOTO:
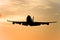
(30, 21)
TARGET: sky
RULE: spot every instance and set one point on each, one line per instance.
(17, 10)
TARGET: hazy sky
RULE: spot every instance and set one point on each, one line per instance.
(42, 10)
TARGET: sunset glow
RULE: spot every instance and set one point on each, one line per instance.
(17, 10)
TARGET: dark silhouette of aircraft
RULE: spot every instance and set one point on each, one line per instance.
(30, 21)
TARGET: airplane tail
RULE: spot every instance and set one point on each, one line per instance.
(33, 18)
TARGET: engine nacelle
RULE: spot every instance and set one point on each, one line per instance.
(47, 23)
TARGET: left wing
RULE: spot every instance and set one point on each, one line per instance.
(17, 22)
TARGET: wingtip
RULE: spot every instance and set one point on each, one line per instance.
(55, 22)
(8, 21)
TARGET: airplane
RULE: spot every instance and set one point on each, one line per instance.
(30, 21)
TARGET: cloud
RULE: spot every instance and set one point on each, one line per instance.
(33, 7)
(49, 9)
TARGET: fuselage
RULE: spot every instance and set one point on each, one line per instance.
(30, 21)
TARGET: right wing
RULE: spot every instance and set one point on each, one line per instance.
(44, 23)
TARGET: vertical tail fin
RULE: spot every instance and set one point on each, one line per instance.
(33, 18)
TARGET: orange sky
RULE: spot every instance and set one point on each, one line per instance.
(42, 10)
